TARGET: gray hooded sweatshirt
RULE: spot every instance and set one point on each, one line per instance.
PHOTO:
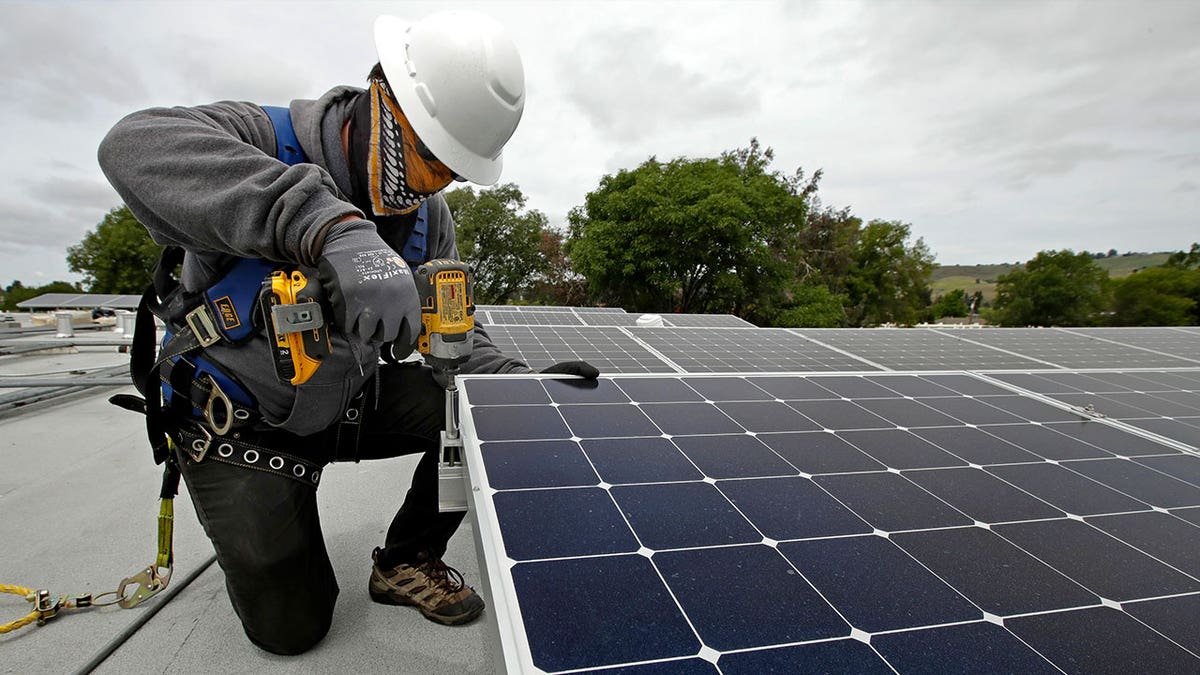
(207, 179)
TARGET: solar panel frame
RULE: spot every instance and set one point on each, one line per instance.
(519, 657)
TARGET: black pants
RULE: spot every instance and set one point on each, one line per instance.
(266, 530)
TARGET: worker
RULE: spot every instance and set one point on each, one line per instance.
(346, 188)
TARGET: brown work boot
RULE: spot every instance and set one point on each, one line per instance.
(429, 585)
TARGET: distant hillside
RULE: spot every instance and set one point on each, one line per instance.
(973, 278)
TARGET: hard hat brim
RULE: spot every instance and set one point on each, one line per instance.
(391, 44)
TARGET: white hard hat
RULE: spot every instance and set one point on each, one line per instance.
(458, 78)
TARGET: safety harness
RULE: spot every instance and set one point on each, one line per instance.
(203, 405)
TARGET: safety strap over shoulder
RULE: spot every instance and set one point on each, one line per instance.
(287, 145)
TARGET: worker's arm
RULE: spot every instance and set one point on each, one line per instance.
(206, 178)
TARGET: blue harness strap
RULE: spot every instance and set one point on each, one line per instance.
(288, 151)
(287, 146)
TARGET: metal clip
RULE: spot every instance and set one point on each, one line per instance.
(216, 395)
(203, 326)
(149, 583)
(46, 606)
(1090, 411)
(199, 446)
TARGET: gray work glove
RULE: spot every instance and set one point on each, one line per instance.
(369, 285)
(581, 368)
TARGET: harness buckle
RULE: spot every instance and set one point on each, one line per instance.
(199, 446)
(201, 322)
(215, 395)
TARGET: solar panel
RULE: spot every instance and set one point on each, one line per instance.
(917, 349)
(608, 318)
(705, 321)
(607, 348)
(808, 523)
(1060, 348)
(713, 350)
(509, 317)
(1162, 402)
(1171, 341)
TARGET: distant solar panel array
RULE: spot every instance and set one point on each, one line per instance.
(80, 301)
(795, 500)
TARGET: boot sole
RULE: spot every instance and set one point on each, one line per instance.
(386, 598)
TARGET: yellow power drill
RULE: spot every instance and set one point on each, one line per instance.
(447, 335)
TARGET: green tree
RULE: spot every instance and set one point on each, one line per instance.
(953, 303)
(500, 240)
(18, 292)
(693, 235)
(1182, 260)
(888, 279)
(813, 306)
(1056, 288)
(117, 257)
(1157, 296)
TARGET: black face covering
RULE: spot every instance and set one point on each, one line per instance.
(396, 228)
(388, 163)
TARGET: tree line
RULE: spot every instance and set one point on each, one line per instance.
(729, 235)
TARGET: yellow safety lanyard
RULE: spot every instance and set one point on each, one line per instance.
(133, 589)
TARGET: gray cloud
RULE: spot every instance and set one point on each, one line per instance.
(633, 89)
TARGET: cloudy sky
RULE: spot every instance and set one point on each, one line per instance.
(997, 129)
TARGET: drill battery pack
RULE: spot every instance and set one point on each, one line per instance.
(300, 336)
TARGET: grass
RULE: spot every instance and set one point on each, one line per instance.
(982, 278)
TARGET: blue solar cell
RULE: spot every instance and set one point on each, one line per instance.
(690, 418)
(900, 449)
(767, 416)
(965, 384)
(1101, 640)
(518, 423)
(976, 446)
(835, 656)
(907, 413)
(970, 410)
(993, 573)
(1163, 536)
(1192, 515)
(889, 502)
(1065, 489)
(1046, 442)
(855, 387)
(982, 496)
(1185, 430)
(679, 515)
(840, 415)
(607, 420)
(1173, 617)
(1139, 482)
(726, 389)
(791, 508)
(1110, 438)
(577, 613)
(584, 391)
(1181, 466)
(505, 392)
(733, 456)
(968, 648)
(639, 460)
(653, 389)
(792, 388)
(1031, 409)
(722, 592)
(913, 385)
(1098, 562)
(817, 452)
(858, 575)
(578, 521)
(677, 667)
(530, 464)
